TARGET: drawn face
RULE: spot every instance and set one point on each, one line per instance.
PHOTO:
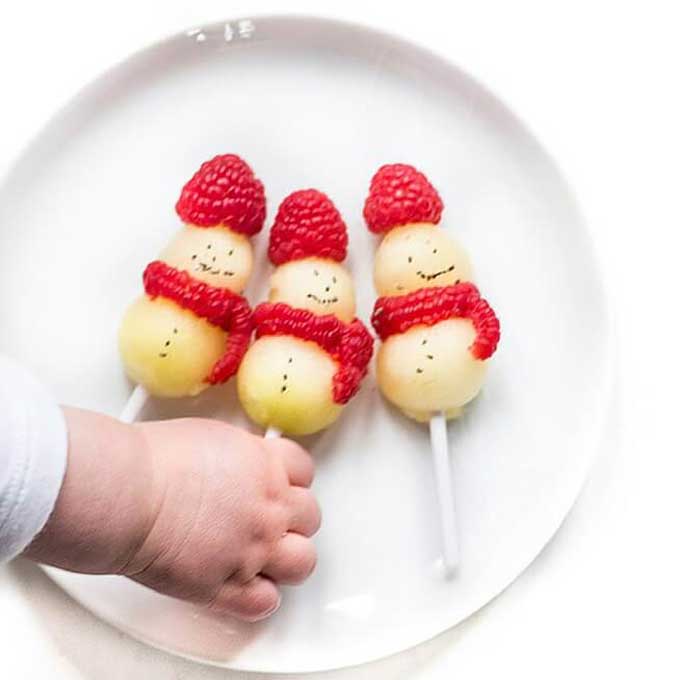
(288, 383)
(216, 255)
(429, 369)
(167, 349)
(322, 286)
(419, 256)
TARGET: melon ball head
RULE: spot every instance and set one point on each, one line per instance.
(417, 256)
(217, 256)
(320, 285)
(167, 349)
(430, 369)
(287, 383)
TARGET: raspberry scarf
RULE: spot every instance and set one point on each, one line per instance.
(218, 306)
(350, 345)
(428, 306)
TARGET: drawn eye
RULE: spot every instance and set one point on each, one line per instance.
(435, 250)
(209, 246)
(424, 342)
(335, 280)
(231, 252)
(193, 257)
(174, 330)
(316, 273)
(410, 259)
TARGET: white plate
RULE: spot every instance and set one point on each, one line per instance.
(317, 103)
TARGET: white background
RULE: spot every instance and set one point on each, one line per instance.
(599, 84)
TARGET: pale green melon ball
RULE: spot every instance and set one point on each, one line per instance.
(319, 285)
(287, 383)
(168, 350)
(419, 256)
(429, 369)
(216, 255)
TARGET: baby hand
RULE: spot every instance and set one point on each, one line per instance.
(233, 517)
(196, 509)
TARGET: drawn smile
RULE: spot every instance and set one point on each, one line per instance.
(322, 301)
(209, 269)
(430, 277)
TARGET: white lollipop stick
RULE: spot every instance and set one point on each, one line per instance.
(272, 432)
(134, 405)
(447, 507)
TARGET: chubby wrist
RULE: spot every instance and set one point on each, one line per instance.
(107, 502)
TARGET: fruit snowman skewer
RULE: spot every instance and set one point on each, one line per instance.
(310, 353)
(437, 332)
(192, 327)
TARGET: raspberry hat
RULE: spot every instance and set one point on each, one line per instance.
(224, 192)
(307, 224)
(399, 194)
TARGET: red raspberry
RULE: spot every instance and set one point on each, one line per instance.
(354, 354)
(278, 318)
(224, 192)
(400, 194)
(429, 306)
(350, 345)
(307, 225)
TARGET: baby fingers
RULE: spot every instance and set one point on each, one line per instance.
(305, 514)
(297, 462)
(251, 601)
(292, 560)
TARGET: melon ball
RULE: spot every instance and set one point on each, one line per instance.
(429, 369)
(216, 255)
(419, 256)
(322, 286)
(167, 349)
(287, 383)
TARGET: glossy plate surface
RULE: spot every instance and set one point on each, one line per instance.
(317, 103)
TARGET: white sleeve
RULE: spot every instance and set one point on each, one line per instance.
(33, 450)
